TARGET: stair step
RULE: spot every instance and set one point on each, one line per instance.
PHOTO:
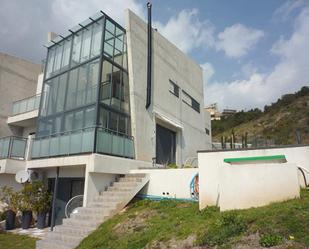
(78, 231)
(64, 237)
(90, 217)
(130, 179)
(94, 210)
(119, 188)
(139, 175)
(82, 223)
(125, 184)
(52, 244)
(110, 193)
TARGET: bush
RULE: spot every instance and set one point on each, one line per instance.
(269, 240)
(228, 225)
(172, 166)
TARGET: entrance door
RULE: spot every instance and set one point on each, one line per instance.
(67, 188)
(165, 145)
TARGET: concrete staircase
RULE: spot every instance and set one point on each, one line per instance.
(102, 207)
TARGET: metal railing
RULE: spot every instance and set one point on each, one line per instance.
(13, 147)
(82, 141)
(26, 105)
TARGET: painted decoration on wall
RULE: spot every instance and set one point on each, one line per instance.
(194, 187)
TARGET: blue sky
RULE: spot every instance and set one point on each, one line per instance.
(252, 52)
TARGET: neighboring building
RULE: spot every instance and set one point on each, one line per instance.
(214, 111)
(227, 113)
(18, 80)
(92, 124)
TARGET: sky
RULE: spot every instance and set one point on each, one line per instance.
(251, 52)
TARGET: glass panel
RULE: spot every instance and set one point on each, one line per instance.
(18, 148)
(71, 95)
(122, 126)
(88, 140)
(125, 94)
(104, 141)
(96, 39)
(4, 147)
(50, 62)
(108, 50)
(125, 60)
(61, 92)
(90, 117)
(51, 108)
(76, 48)
(54, 146)
(76, 142)
(15, 108)
(92, 82)
(81, 88)
(23, 106)
(113, 120)
(36, 149)
(44, 147)
(110, 26)
(68, 122)
(128, 148)
(58, 55)
(86, 44)
(30, 105)
(66, 53)
(64, 144)
(103, 118)
(78, 120)
(118, 144)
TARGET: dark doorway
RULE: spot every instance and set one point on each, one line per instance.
(67, 188)
(165, 145)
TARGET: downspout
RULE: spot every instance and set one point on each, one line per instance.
(149, 57)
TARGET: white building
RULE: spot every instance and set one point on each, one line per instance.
(92, 125)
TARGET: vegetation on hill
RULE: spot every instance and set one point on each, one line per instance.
(174, 224)
(15, 241)
(277, 123)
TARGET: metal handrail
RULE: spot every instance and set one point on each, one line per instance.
(8, 151)
(26, 100)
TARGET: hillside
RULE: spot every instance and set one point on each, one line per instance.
(174, 224)
(277, 123)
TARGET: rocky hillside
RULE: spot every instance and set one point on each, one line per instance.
(277, 123)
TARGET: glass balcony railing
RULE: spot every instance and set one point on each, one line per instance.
(26, 105)
(82, 141)
(13, 147)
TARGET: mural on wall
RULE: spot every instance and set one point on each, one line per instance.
(194, 187)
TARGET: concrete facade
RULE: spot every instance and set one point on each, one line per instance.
(169, 63)
(18, 80)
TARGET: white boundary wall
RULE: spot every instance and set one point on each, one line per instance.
(243, 186)
(168, 183)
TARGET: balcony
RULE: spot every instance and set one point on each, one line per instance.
(82, 141)
(25, 111)
(13, 148)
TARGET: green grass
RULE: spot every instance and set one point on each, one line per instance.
(146, 222)
(14, 241)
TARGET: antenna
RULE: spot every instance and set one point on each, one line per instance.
(22, 176)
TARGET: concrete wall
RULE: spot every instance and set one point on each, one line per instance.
(168, 63)
(168, 183)
(18, 80)
(9, 180)
(213, 170)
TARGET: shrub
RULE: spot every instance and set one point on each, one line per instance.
(228, 225)
(269, 240)
(172, 166)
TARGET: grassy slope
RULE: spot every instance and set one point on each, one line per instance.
(13, 241)
(278, 124)
(146, 222)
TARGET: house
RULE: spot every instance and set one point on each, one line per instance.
(97, 115)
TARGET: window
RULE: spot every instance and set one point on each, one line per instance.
(174, 88)
(191, 101)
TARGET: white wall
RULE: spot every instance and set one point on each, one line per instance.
(211, 167)
(168, 183)
(9, 180)
(168, 63)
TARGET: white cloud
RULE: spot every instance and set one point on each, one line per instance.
(208, 71)
(286, 9)
(289, 75)
(72, 11)
(186, 31)
(237, 40)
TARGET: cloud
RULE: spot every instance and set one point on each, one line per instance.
(25, 24)
(208, 71)
(237, 40)
(289, 75)
(187, 31)
(285, 10)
